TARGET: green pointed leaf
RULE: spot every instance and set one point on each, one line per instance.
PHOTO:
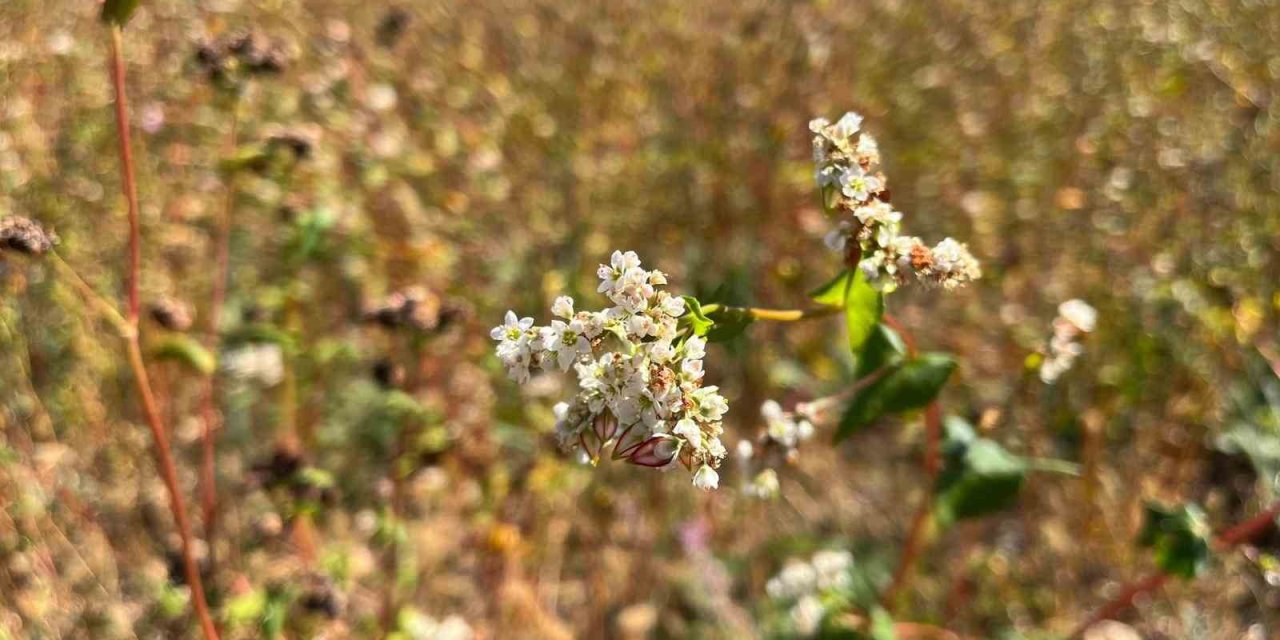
(980, 477)
(693, 316)
(910, 386)
(884, 348)
(833, 292)
(186, 351)
(1178, 536)
(863, 306)
(882, 625)
(118, 12)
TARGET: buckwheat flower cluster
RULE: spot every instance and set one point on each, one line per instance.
(809, 585)
(848, 174)
(640, 375)
(1075, 318)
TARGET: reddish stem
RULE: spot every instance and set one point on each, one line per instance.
(1238, 533)
(914, 545)
(164, 453)
(210, 414)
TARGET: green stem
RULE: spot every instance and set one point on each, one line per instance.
(775, 315)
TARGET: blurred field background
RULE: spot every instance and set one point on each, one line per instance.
(493, 152)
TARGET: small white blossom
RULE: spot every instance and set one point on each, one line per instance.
(706, 478)
(857, 184)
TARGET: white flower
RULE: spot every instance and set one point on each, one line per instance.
(846, 126)
(857, 184)
(868, 148)
(689, 430)
(620, 264)
(796, 579)
(566, 342)
(819, 125)
(512, 329)
(832, 568)
(765, 485)
(711, 406)
(695, 348)
(807, 615)
(706, 478)
(1079, 313)
(562, 307)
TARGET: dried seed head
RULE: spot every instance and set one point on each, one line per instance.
(171, 314)
(391, 27)
(388, 374)
(25, 236)
(299, 142)
(921, 257)
(415, 308)
(322, 596)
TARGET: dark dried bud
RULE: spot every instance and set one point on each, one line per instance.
(415, 308)
(171, 314)
(280, 468)
(25, 236)
(298, 142)
(388, 374)
(322, 597)
(391, 27)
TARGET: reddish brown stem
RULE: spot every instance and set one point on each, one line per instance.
(211, 417)
(163, 452)
(1237, 534)
(915, 542)
(127, 173)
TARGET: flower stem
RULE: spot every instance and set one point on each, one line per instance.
(210, 414)
(1237, 534)
(776, 315)
(163, 452)
(915, 542)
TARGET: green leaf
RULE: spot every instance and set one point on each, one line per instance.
(698, 322)
(882, 625)
(833, 292)
(884, 348)
(729, 324)
(910, 386)
(118, 12)
(1178, 536)
(980, 477)
(863, 306)
(186, 351)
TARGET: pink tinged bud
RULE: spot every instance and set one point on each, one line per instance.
(657, 451)
(605, 426)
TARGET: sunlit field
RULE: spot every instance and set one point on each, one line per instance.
(950, 320)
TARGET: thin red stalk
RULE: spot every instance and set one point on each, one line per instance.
(209, 398)
(1237, 534)
(163, 452)
(914, 544)
(127, 171)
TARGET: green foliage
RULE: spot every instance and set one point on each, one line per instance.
(721, 324)
(884, 348)
(694, 318)
(1260, 446)
(1178, 536)
(980, 476)
(186, 351)
(729, 324)
(909, 386)
(863, 304)
(118, 12)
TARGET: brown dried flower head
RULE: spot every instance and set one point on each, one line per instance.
(25, 236)
(173, 315)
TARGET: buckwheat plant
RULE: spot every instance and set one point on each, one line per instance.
(869, 231)
(639, 369)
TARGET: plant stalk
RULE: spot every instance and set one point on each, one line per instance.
(163, 452)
